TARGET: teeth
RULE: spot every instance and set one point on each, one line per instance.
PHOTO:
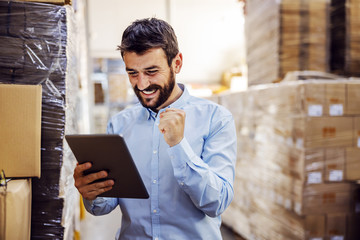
(148, 92)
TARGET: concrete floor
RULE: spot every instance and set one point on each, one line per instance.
(105, 227)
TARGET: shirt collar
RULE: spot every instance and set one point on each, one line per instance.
(179, 103)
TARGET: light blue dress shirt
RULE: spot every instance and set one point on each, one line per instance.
(190, 184)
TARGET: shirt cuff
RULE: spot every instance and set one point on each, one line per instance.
(182, 154)
(89, 204)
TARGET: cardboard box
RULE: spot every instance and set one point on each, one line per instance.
(334, 164)
(336, 226)
(335, 99)
(118, 88)
(20, 130)
(315, 226)
(326, 199)
(99, 97)
(323, 132)
(16, 205)
(314, 165)
(352, 165)
(314, 99)
(353, 98)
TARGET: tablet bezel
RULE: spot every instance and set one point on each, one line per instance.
(109, 152)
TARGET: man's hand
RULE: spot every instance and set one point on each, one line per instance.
(172, 124)
(86, 188)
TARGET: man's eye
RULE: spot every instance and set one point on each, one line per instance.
(151, 72)
(132, 74)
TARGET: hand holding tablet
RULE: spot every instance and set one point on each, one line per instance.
(91, 185)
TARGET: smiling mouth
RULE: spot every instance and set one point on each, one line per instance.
(148, 92)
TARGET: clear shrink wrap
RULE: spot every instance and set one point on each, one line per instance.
(36, 48)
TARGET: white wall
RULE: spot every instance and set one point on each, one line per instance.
(109, 18)
(210, 32)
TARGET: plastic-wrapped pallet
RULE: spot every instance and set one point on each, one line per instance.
(292, 178)
(36, 49)
(287, 35)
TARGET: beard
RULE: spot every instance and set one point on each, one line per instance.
(164, 94)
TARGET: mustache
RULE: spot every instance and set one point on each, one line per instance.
(149, 88)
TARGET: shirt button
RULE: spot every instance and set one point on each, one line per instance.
(154, 151)
(182, 184)
(154, 211)
(154, 181)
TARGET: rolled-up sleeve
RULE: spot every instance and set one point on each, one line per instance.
(100, 206)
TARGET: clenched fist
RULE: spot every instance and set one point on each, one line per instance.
(172, 124)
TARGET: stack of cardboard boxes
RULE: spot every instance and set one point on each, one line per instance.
(299, 158)
(37, 53)
(298, 141)
(292, 35)
(283, 36)
(20, 130)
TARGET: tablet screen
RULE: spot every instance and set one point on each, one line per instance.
(109, 152)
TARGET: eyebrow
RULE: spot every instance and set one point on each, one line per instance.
(148, 68)
(151, 67)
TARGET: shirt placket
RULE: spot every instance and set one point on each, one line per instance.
(155, 211)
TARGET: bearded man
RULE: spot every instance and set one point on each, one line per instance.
(184, 147)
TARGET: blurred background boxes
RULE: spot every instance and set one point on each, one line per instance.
(293, 35)
(285, 36)
(293, 172)
(353, 98)
(352, 164)
(118, 88)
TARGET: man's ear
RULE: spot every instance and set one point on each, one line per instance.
(177, 62)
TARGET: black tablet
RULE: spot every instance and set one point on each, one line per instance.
(109, 152)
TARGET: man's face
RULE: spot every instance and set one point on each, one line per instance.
(151, 77)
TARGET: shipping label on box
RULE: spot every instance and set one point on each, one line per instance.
(334, 164)
(335, 99)
(20, 130)
(314, 99)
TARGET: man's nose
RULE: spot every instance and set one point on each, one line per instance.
(143, 81)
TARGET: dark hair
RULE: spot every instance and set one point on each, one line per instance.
(148, 33)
